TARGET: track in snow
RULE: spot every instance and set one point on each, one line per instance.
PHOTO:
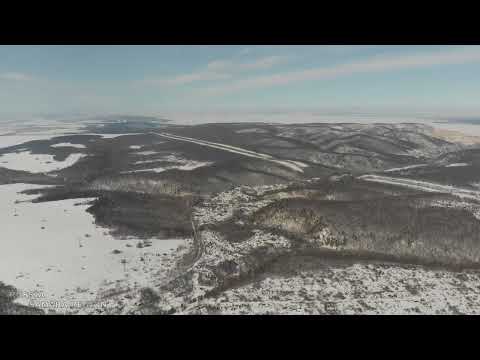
(293, 165)
(423, 186)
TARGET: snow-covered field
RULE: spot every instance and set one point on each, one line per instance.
(109, 136)
(41, 129)
(55, 250)
(294, 165)
(180, 163)
(12, 140)
(355, 289)
(78, 146)
(138, 147)
(457, 165)
(423, 186)
(405, 168)
(187, 166)
(21, 137)
(287, 117)
(146, 153)
(34, 163)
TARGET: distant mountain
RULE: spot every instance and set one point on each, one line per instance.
(129, 118)
(475, 120)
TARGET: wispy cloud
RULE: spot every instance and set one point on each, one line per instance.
(219, 70)
(371, 65)
(185, 79)
(245, 51)
(257, 64)
(15, 76)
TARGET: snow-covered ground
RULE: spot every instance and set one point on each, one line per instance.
(457, 165)
(294, 165)
(26, 161)
(191, 165)
(252, 130)
(471, 207)
(423, 186)
(288, 116)
(37, 163)
(405, 168)
(55, 250)
(180, 163)
(359, 288)
(146, 153)
(20, 137)
(78, 146)
(108, 136)
(12, 140)
(39, 129)
(423, 165)
(355, 289)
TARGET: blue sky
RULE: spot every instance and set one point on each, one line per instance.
(153, 79)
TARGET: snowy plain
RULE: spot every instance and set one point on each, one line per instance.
(36, 163)
(56, 249)
(78, 146)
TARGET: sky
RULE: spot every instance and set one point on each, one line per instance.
(151, 80)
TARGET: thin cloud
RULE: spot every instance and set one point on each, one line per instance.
(219, 70)
(245, 51)
(15, 76)
(375, 64)
(219, 65)
(261, 63)
(186, 79)
(265, 63)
